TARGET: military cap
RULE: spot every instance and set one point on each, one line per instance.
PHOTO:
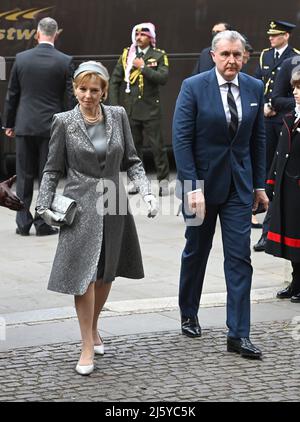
(280, 27)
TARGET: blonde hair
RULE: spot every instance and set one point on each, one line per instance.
(86, 77)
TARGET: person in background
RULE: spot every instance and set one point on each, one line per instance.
(205, 61)
(271, 60)
(140, 72)
(39, 81)
(245, 69)
(247, 56)
(283, 188)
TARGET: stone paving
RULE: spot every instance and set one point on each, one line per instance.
(163, 366)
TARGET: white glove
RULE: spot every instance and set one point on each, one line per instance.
(152, 205)
(49, 217)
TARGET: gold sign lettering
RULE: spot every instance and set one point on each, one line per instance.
(25, 35)
(13, 34)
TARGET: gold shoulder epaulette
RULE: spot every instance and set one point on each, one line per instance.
(261, 55)
(161, 51)
(296, 51)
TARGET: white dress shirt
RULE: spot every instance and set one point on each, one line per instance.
(280, 51)
(143, 51)
(46, 42)
(236, 95)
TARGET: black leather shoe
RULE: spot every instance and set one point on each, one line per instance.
(286, 293)
(22, 232)
(46, 231)
(244, 347)
(295, 298)
(190, 326)
(261, 244)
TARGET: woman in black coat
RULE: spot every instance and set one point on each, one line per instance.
(283, 188)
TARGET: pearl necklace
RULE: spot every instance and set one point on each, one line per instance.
(92, 120)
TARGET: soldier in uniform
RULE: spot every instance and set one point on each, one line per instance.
(140, 71)
(270, 63)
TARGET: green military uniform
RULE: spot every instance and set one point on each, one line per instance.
(142, 103)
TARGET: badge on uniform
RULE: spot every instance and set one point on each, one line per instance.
(151, 63)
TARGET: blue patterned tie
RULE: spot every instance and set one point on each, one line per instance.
(234, 122)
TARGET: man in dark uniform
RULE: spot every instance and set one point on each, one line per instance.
(283, 100)
(205, 61)
(270, 63)
(39, 80)
(140, 71)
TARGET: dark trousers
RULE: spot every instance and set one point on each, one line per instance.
(296, 276)
(151, 130)
(31, 157)
(272, 135)
(235, 219)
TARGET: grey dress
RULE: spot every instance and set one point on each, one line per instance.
(78, 251)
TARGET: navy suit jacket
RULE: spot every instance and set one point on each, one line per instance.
(202, 146)
(204, 62)
(283, 99)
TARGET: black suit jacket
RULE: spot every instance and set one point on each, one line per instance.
(40, 81)
(282, 99)
(205, 62)
(269, 72)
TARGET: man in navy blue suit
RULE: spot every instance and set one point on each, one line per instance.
(219, 145)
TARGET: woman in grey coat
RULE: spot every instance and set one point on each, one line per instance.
(94, 143)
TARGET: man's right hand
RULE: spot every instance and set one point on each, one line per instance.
(196, 203)
(10, 133)
(268, 111)
(7, 198)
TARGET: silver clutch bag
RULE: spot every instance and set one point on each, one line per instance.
(64, 209)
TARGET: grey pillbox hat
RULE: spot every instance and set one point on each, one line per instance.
(92, 66)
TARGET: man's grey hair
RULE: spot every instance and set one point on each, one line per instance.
(228, 36)
(48, 27)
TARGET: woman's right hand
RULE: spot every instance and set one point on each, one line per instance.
(49, 217)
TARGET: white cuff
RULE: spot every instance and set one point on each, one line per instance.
(194, 191)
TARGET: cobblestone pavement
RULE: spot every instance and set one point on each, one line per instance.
(159, 367)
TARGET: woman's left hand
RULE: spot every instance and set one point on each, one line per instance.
(152, 205)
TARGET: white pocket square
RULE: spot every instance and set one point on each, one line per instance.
(298, 130)
(253, 104)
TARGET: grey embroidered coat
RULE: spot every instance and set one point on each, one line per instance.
(76, 260)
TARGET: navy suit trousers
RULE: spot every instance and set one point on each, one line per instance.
(235, 220)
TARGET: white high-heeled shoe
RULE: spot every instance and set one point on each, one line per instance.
(84, 369)
(99, 349)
